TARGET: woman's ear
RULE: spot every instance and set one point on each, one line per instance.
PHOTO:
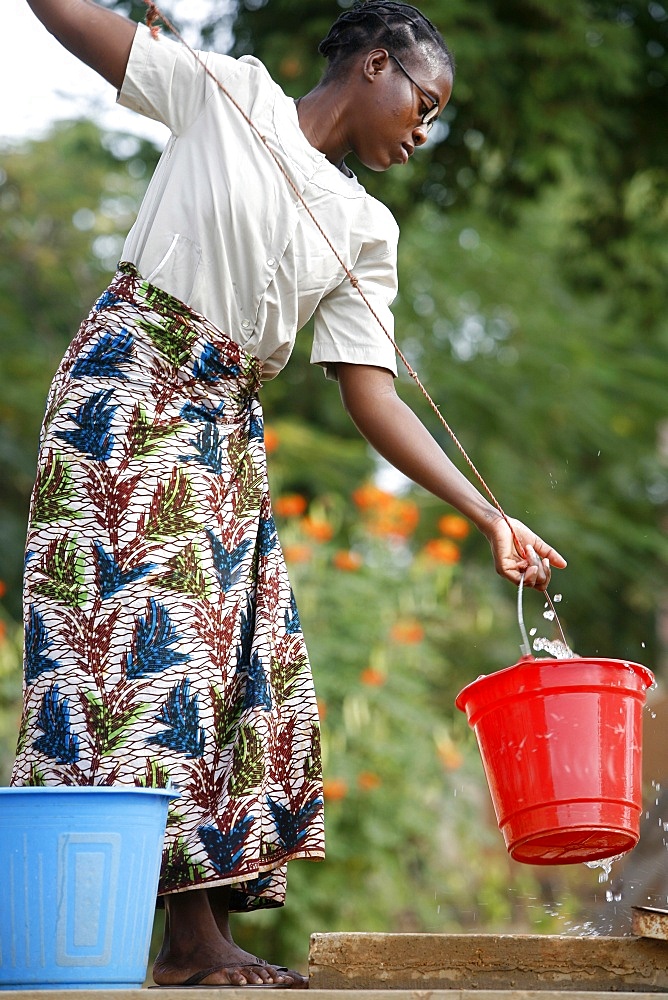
(376, 62)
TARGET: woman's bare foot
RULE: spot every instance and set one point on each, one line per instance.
(198, 940)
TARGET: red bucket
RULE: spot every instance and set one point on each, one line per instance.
(561, 745)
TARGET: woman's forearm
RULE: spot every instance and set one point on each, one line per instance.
(392, 428)
(99, 37)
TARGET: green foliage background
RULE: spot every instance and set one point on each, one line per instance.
(532, 273)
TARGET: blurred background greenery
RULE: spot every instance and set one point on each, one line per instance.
(533, 304)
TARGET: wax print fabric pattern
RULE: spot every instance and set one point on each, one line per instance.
(162, 640)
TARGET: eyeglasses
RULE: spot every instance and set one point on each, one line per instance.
(431, 114)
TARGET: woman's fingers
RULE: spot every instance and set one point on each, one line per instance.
(538, 571)
(546, 551)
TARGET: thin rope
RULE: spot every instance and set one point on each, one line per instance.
(154, 13)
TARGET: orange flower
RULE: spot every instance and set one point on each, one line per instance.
(407, 633)
(449, 755)
(454, 526)
(372, 677)
(297, 553)
(398, 517)
(271, 439)
(442, 550)
(347, 561)
(3, 588)
(318, 530)
(3, 631)
(370, 497)
(335, 789)
(322, 709)
(367, 781)
(290, 505)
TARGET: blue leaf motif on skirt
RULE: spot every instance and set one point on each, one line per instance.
(292, 621)
(227, 565)
(267, 535)
(93, 436)
(111, 577)
(180, 713)
(292, 827)
(106, 300)
(53, 719)
(105, 357)
(210, 449)
(258, 693)
(256, 429)
(246, 632)
(194, 413)
(154, 634)
(210, 367)
(225, 850)
(36, 644)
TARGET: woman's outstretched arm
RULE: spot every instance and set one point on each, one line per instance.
(101, 38)
(393, 429)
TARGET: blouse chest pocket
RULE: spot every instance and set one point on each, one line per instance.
(176, 270)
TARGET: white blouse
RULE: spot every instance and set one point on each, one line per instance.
(221, 229)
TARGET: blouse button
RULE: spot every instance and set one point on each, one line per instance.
(245, 323)
(271, 261)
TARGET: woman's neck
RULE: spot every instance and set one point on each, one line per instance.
(320, 119)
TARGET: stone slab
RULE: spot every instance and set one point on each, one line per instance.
(484, 962)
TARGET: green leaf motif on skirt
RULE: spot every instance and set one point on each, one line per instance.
(248, 499)
(248, 766)
(109, 728)
(63, 567)
(176, 860)
(53, 492)
(145, 436)
(171, 509)
(185, 574)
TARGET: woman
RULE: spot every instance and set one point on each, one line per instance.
(163, 643)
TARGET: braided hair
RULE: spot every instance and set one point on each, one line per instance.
(368, 24)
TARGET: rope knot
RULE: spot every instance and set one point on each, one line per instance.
(354, 281)
(152, 14)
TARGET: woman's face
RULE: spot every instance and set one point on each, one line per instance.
(386, 124)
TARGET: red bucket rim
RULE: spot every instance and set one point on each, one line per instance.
(532, 663)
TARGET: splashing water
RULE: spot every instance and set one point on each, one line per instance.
(606, 864)
(554, 647)
(558, 648)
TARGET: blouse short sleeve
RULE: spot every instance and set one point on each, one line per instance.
(164, 81)
(345, 328)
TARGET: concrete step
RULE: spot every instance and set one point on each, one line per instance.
(520, 963)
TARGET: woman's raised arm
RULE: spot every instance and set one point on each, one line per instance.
(101, 38)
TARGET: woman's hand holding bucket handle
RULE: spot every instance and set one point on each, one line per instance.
(535, 562)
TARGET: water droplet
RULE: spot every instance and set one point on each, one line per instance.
(606, 864)
(549, 615)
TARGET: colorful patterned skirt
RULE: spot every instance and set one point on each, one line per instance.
(162, 640)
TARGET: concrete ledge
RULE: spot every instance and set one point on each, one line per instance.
(503, 963)
(233, 993)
